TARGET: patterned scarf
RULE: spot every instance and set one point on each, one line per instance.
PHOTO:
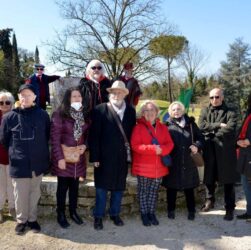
(79, 119)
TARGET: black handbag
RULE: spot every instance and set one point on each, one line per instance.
(127, 144)
(165, 159)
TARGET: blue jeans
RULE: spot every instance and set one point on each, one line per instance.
(115, 202)
(247, 191)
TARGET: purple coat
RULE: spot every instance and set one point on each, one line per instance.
(62, 133)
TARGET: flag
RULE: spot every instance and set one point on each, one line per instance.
(185, 97)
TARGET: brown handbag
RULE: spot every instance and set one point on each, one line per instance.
(71, 154)
(197, 157)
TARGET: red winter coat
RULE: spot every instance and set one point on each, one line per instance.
(4, 159)
(62, 133)
(145, 161)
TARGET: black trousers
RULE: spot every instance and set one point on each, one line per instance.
(229, 195)
(65, 184)
(172, 195)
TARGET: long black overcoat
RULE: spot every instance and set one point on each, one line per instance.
(220, 144)
(107, 146)
(183, 173)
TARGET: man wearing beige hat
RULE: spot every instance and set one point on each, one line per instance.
(111, 129)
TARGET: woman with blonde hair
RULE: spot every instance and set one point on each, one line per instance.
(6, 187)
(150, 141)
(183, 175)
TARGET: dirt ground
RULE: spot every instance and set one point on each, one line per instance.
(208, 231)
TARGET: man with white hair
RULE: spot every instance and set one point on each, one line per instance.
(93, 86)
(218, 123)
(110, 131)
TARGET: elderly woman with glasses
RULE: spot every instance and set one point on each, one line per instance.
(93, 86)
(6, 187)
(183, 175)
(147, 164)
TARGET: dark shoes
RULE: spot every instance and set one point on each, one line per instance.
(20, 228)
(76, 218)
(171, 215)
(191, 216)
(152, 218)
(145, 220)
(229, 215)
(62, 221)
(243, 216)
(209, 204)
(98, 223)
(34, 226)
(117, 220)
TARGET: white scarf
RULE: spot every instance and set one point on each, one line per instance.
(119, 110)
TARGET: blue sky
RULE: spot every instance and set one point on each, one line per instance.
(210, 24)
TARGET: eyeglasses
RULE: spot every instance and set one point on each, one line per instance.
(41, 69)
(98, 68)
(214, 97)
(6, 103)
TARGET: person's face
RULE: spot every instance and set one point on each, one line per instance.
(150, 113)
(76, 96)
(117, 96)
(128, 72)
(5, 104)
(26, 98)
(216, 97)
(96, 71)
(176, 111)
(39, 71)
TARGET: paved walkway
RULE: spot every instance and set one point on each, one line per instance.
(208, 231)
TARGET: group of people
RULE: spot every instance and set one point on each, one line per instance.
(100, 116)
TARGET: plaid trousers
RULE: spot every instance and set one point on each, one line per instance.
(148, 193)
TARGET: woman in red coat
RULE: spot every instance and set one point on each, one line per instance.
(147, 165)
(69, 128)
(6, 187)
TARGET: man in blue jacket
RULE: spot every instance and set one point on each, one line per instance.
(40, 82)
(25, 132)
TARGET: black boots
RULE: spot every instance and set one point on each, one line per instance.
(98, 223)
(62, 221)
(76, 218)
(229, 215)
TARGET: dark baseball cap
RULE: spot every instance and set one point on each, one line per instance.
(26, 86)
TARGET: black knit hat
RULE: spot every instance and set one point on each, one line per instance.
(26, 86)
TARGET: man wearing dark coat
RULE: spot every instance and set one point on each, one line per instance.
(218, 124)
(40, 82)
(108, 152)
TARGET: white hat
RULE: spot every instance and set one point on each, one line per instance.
(118, 85)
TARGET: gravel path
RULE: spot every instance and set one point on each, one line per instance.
(208, 231)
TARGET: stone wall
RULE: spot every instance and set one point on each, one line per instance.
(86, 200)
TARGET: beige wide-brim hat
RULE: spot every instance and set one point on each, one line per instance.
(119, 85)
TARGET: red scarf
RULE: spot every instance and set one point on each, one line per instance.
(243, 132)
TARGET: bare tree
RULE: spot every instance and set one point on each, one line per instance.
(111, 28)
(192, 59)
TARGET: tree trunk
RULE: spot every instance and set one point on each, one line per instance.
(169, 80)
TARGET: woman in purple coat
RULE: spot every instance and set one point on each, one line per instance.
(69, 128)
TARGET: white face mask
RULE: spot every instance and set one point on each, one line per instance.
(76, 105)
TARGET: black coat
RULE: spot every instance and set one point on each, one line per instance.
(220, 144)
(244, 159)
(94, 93)
(106, 145)
(183, 173)
(25, 133)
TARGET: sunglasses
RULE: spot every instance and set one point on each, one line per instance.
(98, 68)
(214, 97)
(41, 69)
(6, 103)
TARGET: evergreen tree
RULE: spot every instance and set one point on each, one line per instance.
(37, 59)
(236, 74)
(16, 80)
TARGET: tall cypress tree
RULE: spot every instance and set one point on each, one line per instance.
(16, 80)
(37, 59)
